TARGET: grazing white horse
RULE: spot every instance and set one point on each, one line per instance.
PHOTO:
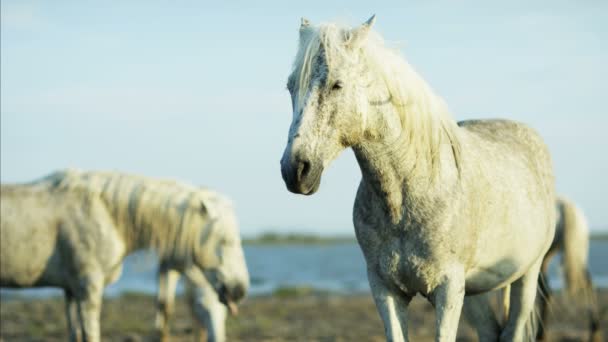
(572, 241)
(443, 209)
(206, 306)
(73, 229)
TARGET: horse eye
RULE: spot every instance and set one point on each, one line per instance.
(337, 86)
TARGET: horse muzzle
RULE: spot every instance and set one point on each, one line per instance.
(230, 296)
(301, 176)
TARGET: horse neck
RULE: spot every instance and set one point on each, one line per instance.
(137, 235)
(398, 175)
(141, 225)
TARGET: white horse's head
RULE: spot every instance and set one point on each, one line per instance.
(332, 89)
(220, 254)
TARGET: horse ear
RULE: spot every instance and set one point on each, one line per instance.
(304, 23)
(357, 36)
(304, 26)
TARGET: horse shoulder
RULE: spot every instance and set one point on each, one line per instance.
(88, 240)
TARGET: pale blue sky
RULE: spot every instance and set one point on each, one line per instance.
(196, 92)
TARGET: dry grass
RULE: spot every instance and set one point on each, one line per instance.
(288, 316)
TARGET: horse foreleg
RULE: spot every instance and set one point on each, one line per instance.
(391, 307)
(210, 320)
(447, 299)
(167, 282)
(89, 307)
(71, 316)
(523, 295)
(209, 314)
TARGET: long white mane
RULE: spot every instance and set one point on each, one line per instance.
(164, 215)
(425, 118)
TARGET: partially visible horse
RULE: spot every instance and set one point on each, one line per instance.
(205, 304)
(572, 241)
(72, 230)
(443, 209)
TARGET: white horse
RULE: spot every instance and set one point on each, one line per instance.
(443, 209)
(73, 229)
(572, 241)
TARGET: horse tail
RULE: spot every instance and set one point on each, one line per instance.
(576, 246)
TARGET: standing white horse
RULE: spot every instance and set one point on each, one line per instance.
(443, 209)
(73, 229)
(572, 240)
(205, 304)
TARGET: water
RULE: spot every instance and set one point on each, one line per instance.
(339, 268)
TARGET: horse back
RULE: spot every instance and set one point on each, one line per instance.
(509, 153)
(509, 135)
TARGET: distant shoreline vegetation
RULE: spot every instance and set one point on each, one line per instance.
(274, 238)
(599, 236)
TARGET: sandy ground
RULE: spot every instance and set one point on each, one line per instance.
(290, 316)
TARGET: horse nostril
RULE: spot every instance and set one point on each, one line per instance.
(238, 292)
(303, 169)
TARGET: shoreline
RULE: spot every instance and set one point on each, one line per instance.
(272, 238)
(288, 315)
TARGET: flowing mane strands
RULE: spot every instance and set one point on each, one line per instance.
(425, 118)
(164, 215)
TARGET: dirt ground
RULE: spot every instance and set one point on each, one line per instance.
(288, 316)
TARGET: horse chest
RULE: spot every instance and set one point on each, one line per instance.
(401, 261)
(410, 271)
(411, 255)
